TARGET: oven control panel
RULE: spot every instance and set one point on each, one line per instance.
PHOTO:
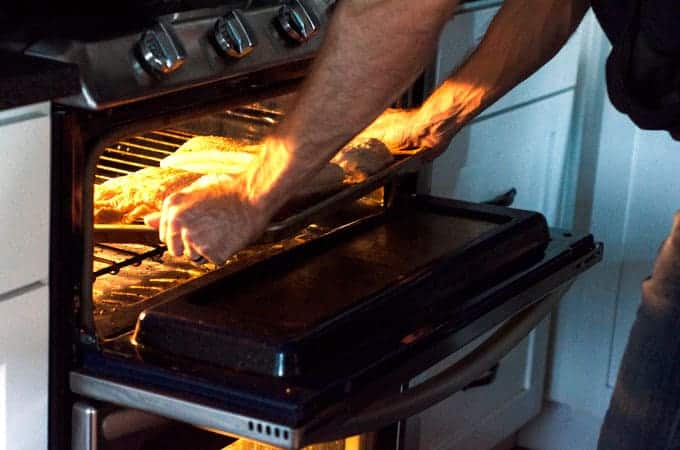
(298, 21)
(232, 35)
(160, 50)
(188, 49)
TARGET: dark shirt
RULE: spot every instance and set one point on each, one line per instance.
(643, 69)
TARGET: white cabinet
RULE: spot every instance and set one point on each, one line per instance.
(524, 148)
(517, 149)
(24, 370)
(24, 195)
(24, 302)
(520, 142)
(479, 418)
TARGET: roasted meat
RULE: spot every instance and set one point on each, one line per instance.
(129, 198)
(362, 158)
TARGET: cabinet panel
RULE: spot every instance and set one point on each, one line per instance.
(24, 199)
(524, 148)
(479, 418)
(24, 371)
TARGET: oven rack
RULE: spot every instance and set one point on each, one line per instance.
(129, 257)
(148, 149)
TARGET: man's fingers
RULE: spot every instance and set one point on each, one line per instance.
(162, 221)
(189, 251)
(174, 243)
(168, 216)
(153, 220)
(216, 254)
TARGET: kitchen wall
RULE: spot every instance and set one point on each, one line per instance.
(622, 185)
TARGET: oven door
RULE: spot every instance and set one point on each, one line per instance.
(319, 344)
(310, 334)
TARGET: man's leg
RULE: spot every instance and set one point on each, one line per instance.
(644, 412)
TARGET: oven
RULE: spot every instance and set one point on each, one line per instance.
(310, 335)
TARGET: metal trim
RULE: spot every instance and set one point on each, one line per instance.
(184, 411)
(84, 428)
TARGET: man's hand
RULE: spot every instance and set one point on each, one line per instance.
(409, 129)
(394, 128)
(212, 218)
(664, 283)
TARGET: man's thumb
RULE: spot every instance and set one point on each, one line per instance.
(153, 220)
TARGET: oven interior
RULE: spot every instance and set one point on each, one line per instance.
(267, 303)
(131, 269)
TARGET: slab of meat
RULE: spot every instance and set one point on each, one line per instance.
(129, 198)
(210, 161)
(223, 155)
(362, 158)
(217, 143)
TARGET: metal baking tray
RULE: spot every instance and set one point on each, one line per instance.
(406, 162)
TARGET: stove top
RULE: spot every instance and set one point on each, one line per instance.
(161, 48)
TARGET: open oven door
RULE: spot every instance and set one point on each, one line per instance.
(316, 344)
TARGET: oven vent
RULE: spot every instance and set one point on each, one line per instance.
(264, 429)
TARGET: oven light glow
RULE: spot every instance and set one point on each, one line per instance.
(140, 318)
(351, 443)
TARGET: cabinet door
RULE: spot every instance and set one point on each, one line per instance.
(23, 370)
(524, 148)
(481, 417)
(24, 196)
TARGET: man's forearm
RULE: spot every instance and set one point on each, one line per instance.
(524, 35)
(373, 51)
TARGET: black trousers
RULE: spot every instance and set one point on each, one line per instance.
(644, 413)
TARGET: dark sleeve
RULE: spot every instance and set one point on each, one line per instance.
(643, 69)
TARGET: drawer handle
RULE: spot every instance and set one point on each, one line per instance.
(505, 199)
(486, 379)
(453, 379)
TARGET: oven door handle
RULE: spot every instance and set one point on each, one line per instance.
(453, 379)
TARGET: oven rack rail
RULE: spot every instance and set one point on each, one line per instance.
(148, 149)
(128, 258)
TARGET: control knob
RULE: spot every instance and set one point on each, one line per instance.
(160, 50)
(298, 21)
(232, 35)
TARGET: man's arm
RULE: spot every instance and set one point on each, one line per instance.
(374, 49)
(523, 36)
